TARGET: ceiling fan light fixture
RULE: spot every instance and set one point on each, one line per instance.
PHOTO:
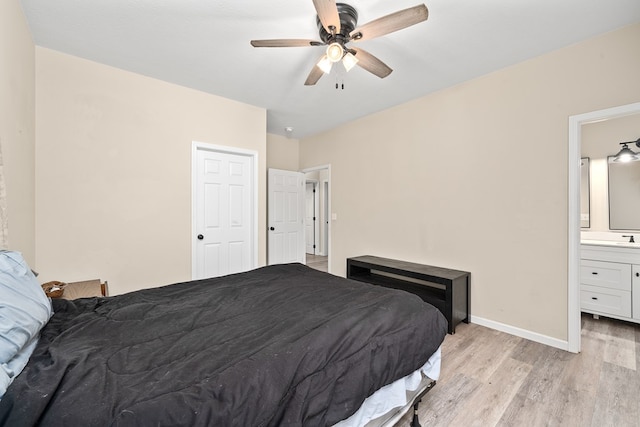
(337, 26)
(335, 52)
(325, 64)
(349, 61)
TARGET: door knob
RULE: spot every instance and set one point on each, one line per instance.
(200, 237)
(272, 228)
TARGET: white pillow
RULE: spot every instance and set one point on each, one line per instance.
(24, 310)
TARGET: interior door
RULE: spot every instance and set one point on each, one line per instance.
(285, 217)
(223, 213)
(325, 219)
(310, 217)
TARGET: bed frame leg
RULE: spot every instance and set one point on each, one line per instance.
(416, 422)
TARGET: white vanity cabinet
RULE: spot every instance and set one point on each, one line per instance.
(610, 281)
(605, 287)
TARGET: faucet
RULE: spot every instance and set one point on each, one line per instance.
(630, 238)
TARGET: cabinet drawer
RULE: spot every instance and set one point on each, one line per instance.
(605, 300)
(608, 274)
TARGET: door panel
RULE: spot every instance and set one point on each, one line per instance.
(286, 217)
(223, 213)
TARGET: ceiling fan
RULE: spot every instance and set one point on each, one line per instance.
(337, 25)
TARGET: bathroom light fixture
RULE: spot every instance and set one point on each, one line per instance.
(626, 154)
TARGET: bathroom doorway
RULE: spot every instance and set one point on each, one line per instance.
(319, 179)
(576, 124)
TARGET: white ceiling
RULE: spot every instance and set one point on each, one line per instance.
(204, 44)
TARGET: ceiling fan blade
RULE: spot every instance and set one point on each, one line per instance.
(390, 23)
(328, 13)
(371, 63)
(285, 43)
(314, 75)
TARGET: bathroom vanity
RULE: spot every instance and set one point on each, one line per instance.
(610, 279)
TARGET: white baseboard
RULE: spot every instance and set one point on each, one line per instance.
(522, 333)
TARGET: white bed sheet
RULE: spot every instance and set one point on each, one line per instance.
(393, 395)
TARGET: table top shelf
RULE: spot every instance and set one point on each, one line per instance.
(429, 272)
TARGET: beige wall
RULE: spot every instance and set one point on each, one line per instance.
(17, 126)
(282, 152)
(113, 170)
(474, 177)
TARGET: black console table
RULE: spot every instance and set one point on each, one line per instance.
(446, 289)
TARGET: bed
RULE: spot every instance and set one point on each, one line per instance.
(280, 345)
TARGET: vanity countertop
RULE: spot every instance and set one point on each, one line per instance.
(610, 243)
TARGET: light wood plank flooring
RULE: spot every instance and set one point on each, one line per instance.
(490, 378)
(317, 262)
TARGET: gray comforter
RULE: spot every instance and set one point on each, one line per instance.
(280, 345)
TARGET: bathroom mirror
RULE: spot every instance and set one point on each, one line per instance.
(585, 200)
(624, 195)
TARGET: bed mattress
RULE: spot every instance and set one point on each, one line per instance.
(280, 345)
(391, 401)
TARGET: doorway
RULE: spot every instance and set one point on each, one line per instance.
(319, 179)
(575, 128)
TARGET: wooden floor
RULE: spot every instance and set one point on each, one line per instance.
(317, 262)
(490, 378)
